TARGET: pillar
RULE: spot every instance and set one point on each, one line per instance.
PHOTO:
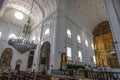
(113, 11)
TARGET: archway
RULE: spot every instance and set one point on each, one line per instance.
(45, 57)
(6, 58)
(104, 46)
(18, 63)
(30, 59)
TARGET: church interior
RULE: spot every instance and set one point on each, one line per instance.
(59, 40)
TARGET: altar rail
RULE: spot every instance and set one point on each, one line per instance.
(89, 74)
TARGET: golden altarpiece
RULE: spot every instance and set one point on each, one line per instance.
(103, 45)
(5, 59)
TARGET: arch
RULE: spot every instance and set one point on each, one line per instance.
(47, 44)
(47, 31)
(12, 36)
(103, 41)
(6, 58)
(45, 57)
(18, 63)
(30, 59)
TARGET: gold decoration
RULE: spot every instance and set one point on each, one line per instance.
(103, 41)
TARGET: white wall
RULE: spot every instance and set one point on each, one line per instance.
(16, 56)
(6, 29)
(39, 32)
(58, 22)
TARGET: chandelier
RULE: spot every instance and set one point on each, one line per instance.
(23, 44)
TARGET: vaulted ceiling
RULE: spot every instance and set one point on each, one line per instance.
(41, 8)
(87, 13)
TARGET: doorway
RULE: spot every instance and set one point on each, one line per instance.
(17, 68)
(45, 57)
(18, 64)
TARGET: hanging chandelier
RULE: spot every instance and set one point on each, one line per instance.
(23, 44)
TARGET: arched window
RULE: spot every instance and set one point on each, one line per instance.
(12, 36)
(69, 53)
(34, 38)
(78, 39)
(92, 46)
(80, 56)
(68, 33)
(86, 42)
(94, 59)
(0, 34)
(47, 31)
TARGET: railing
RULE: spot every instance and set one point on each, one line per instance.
(67, 74)
(89, 74)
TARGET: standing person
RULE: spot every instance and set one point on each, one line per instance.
(86, 71)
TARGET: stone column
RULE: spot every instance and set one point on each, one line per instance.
(59, 34)
(113, 10)
(36, 60)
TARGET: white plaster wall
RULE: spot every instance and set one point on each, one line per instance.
(58, 25)
(39, 31)
(16, 56)
(87, 52)
(6, 29)
(58, 22)
(64, 22)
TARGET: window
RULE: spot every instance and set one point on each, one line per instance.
(47, 31)
(92, 46)
(12, 36)
(80, 56)
(0, 34)
(34, 38)
(94, 59)
(69, 53)
(38, 39)
(18, 15)
(78, 39)
(68, 33)
(86, 42)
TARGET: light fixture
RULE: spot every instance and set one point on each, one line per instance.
(23, 44)
(18, 15)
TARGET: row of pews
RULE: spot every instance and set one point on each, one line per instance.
(28, 76)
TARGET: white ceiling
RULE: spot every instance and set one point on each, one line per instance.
(9, 17)
(41, 8)
(87, 13)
